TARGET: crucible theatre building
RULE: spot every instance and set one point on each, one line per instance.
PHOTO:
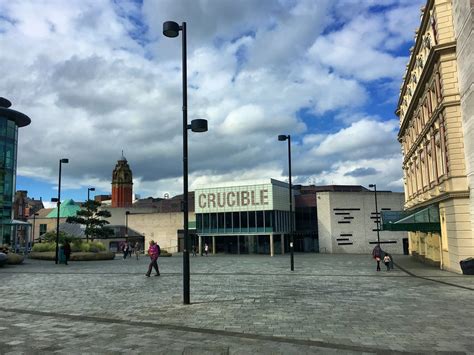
(247, 217)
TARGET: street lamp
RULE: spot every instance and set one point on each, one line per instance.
(171, 29)
(61, 161)
(126, 224)
(376, 213)
(283, 138)
(34, 224)
(89, 189)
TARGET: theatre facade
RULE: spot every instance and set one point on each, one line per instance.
(243, 217)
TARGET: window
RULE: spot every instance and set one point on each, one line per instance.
(268, 219)
(236, 220)
(220, 221)
(252, 219)
(43, 229)
(205, 221)
(244, 220)
(260, 219)
(228, 220)
(213, 220)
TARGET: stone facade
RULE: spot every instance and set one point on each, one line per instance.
(463, 18)
(347, 222)
(432, 138)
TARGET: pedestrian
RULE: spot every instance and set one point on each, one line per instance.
(206, 249)
(137, 249)
(67, 251)
(154, 253)
(194, 250)
(386, 260)
(125, 250)
(391, 260)
(377, 254)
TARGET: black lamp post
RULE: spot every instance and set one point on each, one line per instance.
(171, 29)
(126, 224)
(61, 161)
(34, 226)
(376, 213)
(282, 138)
(89, 189)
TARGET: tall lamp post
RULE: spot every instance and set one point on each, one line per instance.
(376, 213)
(283, 138)
(171, 29)
(89, 189)
(34, 226)
(61, 161)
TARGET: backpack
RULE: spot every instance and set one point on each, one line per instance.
(159, 250)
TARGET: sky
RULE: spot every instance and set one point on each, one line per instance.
(97, 77)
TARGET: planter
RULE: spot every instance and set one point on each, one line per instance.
(78, 256)
(15, 259)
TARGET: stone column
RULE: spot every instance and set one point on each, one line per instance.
(238, 244)
(200, 245)
(213, 245)
(282, 238)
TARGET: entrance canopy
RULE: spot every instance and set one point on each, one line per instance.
(421, 220)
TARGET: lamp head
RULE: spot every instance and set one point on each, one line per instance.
(64, 160)
(127, 212)
(54, 199)
(91, 189)
(170, 29)
(199, 125)
(372, 185)
(282, 137)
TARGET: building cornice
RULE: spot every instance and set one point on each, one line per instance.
(440, 198)
(434, 55)
(418, 42)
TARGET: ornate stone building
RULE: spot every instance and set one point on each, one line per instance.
(433, 143)
(122, 184)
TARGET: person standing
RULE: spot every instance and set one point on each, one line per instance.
(377, 254)
(154, 253)
(67, 251)
(386, 260)
(125, 250)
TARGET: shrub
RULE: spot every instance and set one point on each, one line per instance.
(42, 247)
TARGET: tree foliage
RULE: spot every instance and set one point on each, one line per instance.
(50, 237)
(94, 220)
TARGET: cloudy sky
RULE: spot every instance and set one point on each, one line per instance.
(98, 77)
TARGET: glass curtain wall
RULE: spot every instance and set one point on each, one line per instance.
(243, 222)
(8, 147)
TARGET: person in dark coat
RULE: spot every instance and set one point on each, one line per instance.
(377, 255)
(67, 250)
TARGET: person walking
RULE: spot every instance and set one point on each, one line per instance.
(206, 249)
(391, 260)
(194, 250)
(386, 260)
(377, 254)
(154, 253)
(137, 249)
(67, 251)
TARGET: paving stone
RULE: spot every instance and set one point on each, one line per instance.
(245, 304)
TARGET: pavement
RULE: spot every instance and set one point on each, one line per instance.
(247, 304)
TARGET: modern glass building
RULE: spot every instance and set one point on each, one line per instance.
(10, 121)
(243, 217)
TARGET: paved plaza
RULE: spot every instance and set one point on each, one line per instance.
(240, 305)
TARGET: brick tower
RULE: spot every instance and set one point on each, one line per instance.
(122, 184)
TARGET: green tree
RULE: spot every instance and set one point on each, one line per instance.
(93, 218)
(50, 237)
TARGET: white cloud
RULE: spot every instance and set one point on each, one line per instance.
(99, 77)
